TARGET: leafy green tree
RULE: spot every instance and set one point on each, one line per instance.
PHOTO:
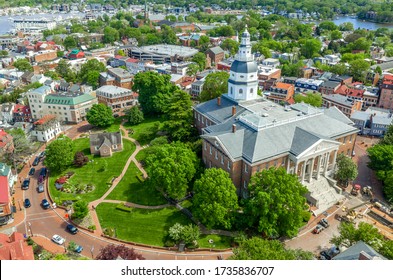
(171, 168)
(23, 65)
(215, 199)
(388, 137)
(215, 85)
(335, 35)
(168, 35)
(65, 71)
(90, 72)
(192, 69)
(361, 44)
(328, 25)
(291, 69)
(200, 59)
(178, 114)
(59, 154)
(111, 35)
(311, 48)
(378, 70)
(314, 99)
(275, 203)
(80, 209)
(339, 69)
(69, 42)
(349, 235)
(261, 249)
(100, 115)
(358, 69)
(113, 252)
(381, 159)
(134, 115)
(230, 45)
(154, 91)
(387, 249)
(188, 234)
(346, 26)
(347, 170)
(388, 185)
(204, 42)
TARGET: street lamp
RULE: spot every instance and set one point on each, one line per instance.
(91, 251)
(65, 248)
(31, 231)
(20, 207)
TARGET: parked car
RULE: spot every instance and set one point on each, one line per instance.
(45, 204)
(32, 171)
(40, 188)
(72, 229)
(26, 184)
(42, 154)
(36, 161)
(318, 229)
(323, 222)
(78, 249)
(43, 172)
(27, 203)
(40, 179)
(58, 239)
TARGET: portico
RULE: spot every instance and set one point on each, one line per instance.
(315, 161)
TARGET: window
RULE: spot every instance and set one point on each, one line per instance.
(241, 76)
(246, 168)
(205, 145)
(267, 165)
(229, 165)
(222, 159)
(251, 90)
(216, 155)
(240, 91)
(345, 139)
(114, 146)
(245, 184)
(210, 149)
(96, 148)
(350, 139)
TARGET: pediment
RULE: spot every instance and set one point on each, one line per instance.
(320, 147)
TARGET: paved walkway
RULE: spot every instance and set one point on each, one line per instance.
(95, 203)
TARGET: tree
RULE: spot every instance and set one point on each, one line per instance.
(113, 252)
(111, 35)
(188, 234)
(154, 91)
(134, 115)
(100, 115)
(339, 69)
(90, 71)
(346, 26)
(349, 235)
(65, 71)
(204, 42)
(215, 85)
(347, 170)
(314, 99)
(381, 159)
(328, 25)
(200, 59)
(69, 42)
(192, 69)
(262, 249)
(388, 137)
(178, 114)
(59, 154)
(23, 65)
(378, 70)
(335, 35)
(168, 35)
(80, 209)
(215, 199)
(275, 203)
(80, 159)
(121, 52)
(230, 45)
(171, 168)
(311, 48)
(358, 69)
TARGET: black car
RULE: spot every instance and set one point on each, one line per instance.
(32, 171)
(25, 184)
(323, 222)
(72, 229)
(36, 161)
(45, 204)
(27, 203)
(43, 172)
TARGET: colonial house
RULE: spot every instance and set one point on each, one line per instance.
(46, 128)
(116, 97)
(243, 133)
(21, 113)
(104, 144)
(216, 54)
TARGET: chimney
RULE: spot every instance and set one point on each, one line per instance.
(233, 110)
(233, 128)
(219, 101)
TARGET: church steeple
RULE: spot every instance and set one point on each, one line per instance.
(146, 11)
(243, 80)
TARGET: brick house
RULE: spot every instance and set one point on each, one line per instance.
(343, 103)
(329, 87)
(15, 247)
(116, 77)
(21, 113)
(216, 55)
(386, 95)
(281, 92)
(75, 54)
(104, 144)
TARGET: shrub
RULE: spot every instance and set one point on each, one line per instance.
(140, 177)
(306, 216)
(92, 227)
(80, 210)
(80, 159)
(124, 208)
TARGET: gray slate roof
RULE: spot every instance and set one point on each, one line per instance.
(352, 253)
(98, 139)
(302, 140)
(360, 115)
(216, 50)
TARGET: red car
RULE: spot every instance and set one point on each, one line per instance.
(318, 229)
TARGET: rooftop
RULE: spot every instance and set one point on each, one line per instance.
(67, 99)
(170, 50)
(113, 90)
(338, 99)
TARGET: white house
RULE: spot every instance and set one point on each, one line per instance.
(46, 128)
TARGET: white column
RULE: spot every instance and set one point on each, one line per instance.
(311, 169)
(296, 167)
(303, 170)
(288, 164)
(319, 166)
(326, 164)
(334, 159)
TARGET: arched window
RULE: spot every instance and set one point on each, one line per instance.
(251, 90)
(240, 91)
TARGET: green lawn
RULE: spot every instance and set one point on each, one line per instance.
(149, 124)
(132, 190)
(141, 225)
(219, 241)
(92, 172)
